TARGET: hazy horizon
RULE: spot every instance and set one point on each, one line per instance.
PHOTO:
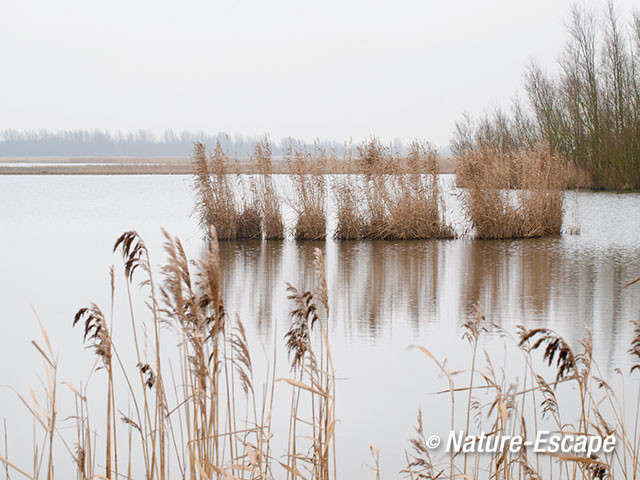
(331, 70)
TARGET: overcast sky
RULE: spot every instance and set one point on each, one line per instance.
(327, 69)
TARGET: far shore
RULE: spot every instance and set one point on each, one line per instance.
(149, 166)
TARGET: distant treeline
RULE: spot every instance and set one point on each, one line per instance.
(144, 143)
(589, 112)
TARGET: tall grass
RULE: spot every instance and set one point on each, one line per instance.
(216, 203)
(509, 194)
(395, 199)
(308, 173)
(524, 396)
(269, 201)
(513, 195)
(213, 418)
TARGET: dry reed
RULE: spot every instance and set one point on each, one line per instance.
(269, 201)
(215, 423)
(513, 195)
(216, 203)
(497, 405)
(212, 422)
(307, 170)
(396, 199)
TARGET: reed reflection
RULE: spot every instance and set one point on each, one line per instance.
(378, 288)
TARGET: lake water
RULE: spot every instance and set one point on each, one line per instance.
(57, 233)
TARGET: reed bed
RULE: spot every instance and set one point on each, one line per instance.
(217, 204)
(248, 209)
(513, 195)
(548, 385)
(396, 198)
(507, 194)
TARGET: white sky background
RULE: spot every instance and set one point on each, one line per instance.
(327, 69)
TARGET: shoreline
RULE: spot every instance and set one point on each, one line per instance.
(149, 166)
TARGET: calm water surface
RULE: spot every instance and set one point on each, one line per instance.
(57, 232)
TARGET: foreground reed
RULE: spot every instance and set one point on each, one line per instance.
(492, 403)
(513, 195)
(209, 417)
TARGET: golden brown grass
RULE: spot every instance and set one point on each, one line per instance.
(513, 195)
(216, 203)
(269, 200)
(307, 170)
(486, 400)
(212, 420)
(349, 225)
(396, 199)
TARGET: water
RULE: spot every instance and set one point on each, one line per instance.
(57, 232)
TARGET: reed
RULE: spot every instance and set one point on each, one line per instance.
(216, 202)
(205, 208)
(269, 201)
(397, 198)
(307, 171)
(513, 195)
(350, 224)
(250, 216)
(417, 208)
(212, 420)
(496, 402)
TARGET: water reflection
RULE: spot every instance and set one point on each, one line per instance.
(377, 287)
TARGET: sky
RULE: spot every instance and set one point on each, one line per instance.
(333, 70)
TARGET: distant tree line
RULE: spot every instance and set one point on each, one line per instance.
(589, 111)
(143, 143)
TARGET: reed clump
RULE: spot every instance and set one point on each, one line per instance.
(513, 195)
(268, 199)
(216, 203)
(397, 198)
(238, 209)
(417, 208)
(349, 219)
(308, 172)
